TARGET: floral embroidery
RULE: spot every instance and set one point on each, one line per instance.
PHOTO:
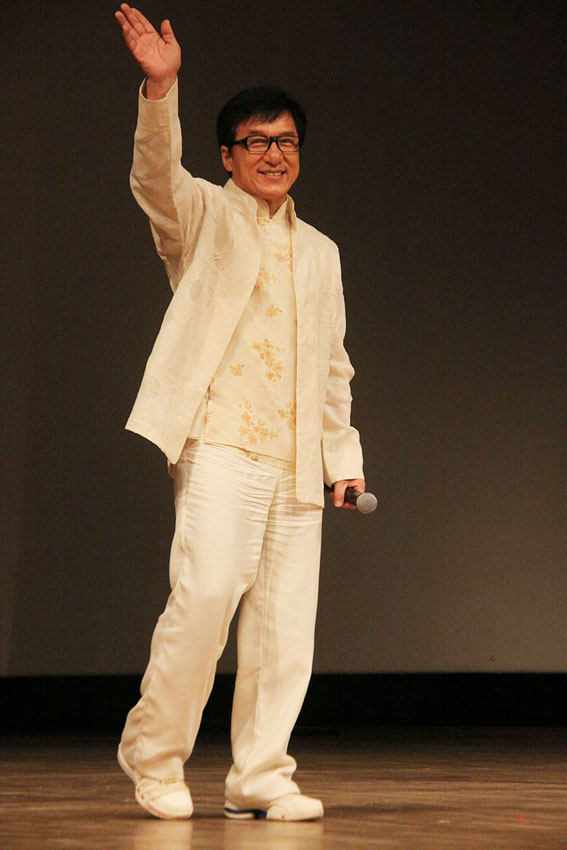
(284, 256)
(272, 311)
(264, 279)
(267, 352)
(289, 412)
(256, 414)
(254, 429)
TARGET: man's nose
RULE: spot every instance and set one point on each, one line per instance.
(273, 152)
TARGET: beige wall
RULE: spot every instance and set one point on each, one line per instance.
(433, 158)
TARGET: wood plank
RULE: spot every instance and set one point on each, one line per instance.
(434, 789)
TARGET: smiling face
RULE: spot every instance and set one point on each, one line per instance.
(267, 176)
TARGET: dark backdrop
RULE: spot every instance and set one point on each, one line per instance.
(435, 158)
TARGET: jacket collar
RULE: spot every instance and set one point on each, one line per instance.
(248, 204)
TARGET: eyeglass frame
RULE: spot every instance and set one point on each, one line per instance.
(271, 139)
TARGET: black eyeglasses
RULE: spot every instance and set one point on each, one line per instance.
(260, 144)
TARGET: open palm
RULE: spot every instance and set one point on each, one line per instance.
(159, 55)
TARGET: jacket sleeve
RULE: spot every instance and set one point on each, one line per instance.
(341, 449)
(174, 201)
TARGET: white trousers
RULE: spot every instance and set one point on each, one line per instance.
(240, 537)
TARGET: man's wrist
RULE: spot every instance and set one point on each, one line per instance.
(158, 89)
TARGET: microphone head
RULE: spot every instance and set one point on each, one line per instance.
(366, 503)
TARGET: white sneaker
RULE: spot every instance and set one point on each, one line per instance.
(163, 798)
(289, 807)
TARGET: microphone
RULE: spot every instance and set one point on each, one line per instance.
(363, 502)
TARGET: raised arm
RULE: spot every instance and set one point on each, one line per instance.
(159, 56)
(173, 200)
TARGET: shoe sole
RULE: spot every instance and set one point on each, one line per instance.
(245, 814)
(262, 814)
(149, 807)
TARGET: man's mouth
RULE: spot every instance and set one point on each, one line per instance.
(272, 174)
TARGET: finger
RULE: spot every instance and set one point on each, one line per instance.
(142, 25)
(339, 495)
(167, 32)
(358, 484)
(128, 34)
(127, 21)
(122, 20)
(130, 15)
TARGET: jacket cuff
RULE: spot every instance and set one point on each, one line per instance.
(158, 112)
(342, 467)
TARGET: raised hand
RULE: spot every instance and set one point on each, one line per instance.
(159, 56)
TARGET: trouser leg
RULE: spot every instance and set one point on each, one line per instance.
(275, 651)
(221, 514)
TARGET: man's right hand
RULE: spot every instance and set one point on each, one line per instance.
(159, 56)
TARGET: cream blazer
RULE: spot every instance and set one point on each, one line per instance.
(208, 239)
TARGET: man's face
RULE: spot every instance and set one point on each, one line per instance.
(270, 175)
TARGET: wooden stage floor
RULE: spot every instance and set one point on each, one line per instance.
(431, 789)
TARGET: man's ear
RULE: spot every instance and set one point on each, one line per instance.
(226, 158)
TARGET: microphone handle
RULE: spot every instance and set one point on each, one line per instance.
(351, 495)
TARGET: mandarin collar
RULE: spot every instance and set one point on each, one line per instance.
(255, 207)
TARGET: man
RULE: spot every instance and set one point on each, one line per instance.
(247, 393)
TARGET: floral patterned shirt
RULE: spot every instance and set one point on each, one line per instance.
(250, 404)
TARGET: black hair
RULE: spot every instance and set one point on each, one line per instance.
(264, 102)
